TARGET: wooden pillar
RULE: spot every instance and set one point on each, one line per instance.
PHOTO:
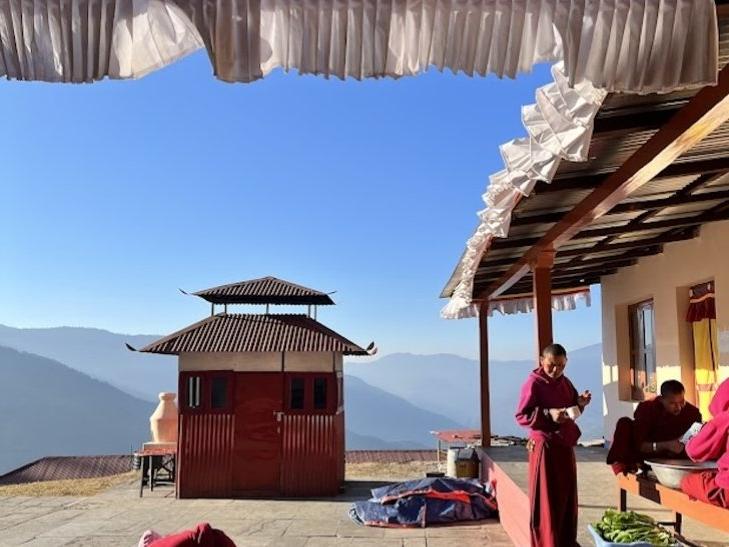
(542, 290)
(483, 340)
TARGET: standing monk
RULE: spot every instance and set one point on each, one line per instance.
(547, 405)
(711, 443)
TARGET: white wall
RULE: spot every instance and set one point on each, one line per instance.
(666, 279)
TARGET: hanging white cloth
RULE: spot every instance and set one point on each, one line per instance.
(633, 46)
(525, 304)
(559, 126)
(637, 46)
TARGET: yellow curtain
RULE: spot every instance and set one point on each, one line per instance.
(706, 357)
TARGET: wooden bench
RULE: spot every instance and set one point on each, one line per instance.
(675, 500)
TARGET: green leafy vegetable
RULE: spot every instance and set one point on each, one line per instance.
(629, 527)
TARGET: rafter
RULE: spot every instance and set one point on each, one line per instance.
(706, 111)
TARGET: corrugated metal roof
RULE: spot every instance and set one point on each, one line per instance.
(266, 290)
(254, 333)
(623, 125)
(68, 467)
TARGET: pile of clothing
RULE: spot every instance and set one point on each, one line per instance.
(423, 502)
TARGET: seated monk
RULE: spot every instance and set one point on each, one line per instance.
(655, 431)
(711, 443)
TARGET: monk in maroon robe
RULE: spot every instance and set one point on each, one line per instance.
(711, 443)
(547, 406)
(655, 431)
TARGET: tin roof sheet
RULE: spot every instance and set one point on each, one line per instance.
(265, 290)
(254, 333)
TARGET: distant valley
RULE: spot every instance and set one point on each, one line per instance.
(80, 391)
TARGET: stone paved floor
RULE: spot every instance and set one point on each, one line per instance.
(118, 517)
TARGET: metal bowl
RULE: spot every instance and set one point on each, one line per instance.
(670, 472)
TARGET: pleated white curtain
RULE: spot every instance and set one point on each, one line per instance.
(633, 46)
(619, 45)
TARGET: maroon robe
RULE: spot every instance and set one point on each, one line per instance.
(552, 468)
(651, 423)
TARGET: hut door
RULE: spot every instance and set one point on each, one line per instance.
(257, 445)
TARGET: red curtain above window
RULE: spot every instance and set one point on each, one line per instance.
(702, 304)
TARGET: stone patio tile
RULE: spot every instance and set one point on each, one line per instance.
(269, 528)
(405, 533)
(414, 542)
(103, 541)
(289, 541)
(368, 542)
(22, 533)
(247, 541)
(312, 528)
(465, 532)
(348, 529)
(327, 541)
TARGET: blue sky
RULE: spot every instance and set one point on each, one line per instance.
(115, 194)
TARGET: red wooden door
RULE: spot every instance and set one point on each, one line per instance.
(257, 445)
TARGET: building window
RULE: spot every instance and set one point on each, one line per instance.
(193, 391)
(642, 349)
(297, 394)
(219, 392)
(320, 393)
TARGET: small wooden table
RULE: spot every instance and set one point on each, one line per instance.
(676, 500)
(158, 466)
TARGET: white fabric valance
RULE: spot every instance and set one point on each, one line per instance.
(620, 45)
(525, 304)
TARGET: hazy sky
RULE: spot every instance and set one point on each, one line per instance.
(115, 194)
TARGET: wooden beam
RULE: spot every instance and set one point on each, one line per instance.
(706, 111)
(630, 207)
(620, 230)
(541, 268)
(589, 181)
(659, 240)
(483, 337)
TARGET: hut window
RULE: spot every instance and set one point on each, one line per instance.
(193, 391)
(219, 392)
(643, 351)
(297, 394)
(320, 393)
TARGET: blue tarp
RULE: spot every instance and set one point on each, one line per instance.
(423, 502)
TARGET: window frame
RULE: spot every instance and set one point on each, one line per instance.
(309, 379)
(207, 380)
(642, 353)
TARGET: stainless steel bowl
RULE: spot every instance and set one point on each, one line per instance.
(670, 472)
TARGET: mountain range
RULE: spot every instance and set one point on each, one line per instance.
(50, 409)
(69, 376)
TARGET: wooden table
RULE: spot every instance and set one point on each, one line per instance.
(675, 500)
(158, 466)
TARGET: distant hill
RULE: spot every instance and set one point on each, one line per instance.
(448, 385)
(378, 414)
(101, 355)
(424, 392)
(50, 409)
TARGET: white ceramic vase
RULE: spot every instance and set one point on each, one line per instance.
(163, 421)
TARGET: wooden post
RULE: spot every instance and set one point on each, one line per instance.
(483, 338)
(542, 290)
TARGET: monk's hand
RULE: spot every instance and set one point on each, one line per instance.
(676, 446)
(584, 399)
(558, 415)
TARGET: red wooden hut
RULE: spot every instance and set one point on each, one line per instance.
(260, 396)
